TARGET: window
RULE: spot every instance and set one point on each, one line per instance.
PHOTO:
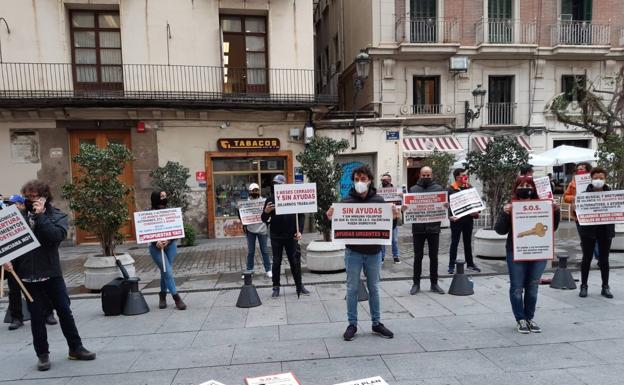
(244, 54)
(576, 10)
(500, 24)
(573, 87)
(426, 95)
(96, 49)
(500, 100)
(423, 23)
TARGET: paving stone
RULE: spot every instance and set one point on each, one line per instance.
(229, 375)
(279, 351)
(225, 318)
(311, 331)
(149, 342)
(599, 375)
(192, 357)
(458, 340)
(107, 362)
(331, 291)
(337, 310)
(306, 312)
(267, 315)
(608, 351)
(367, 344)
(421, 305)
(47, 381)
(461, 305)
(334, 371)
(539, 357)
(543, 377)
(267, 335)
(161, 377)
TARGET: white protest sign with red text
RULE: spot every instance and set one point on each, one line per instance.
(544, 190)
(362, 223)
(600, 208)
(425, 207)
(533, 230)
(366, 381)
(274, 379)
(295, 198)
(16, 237)
(250, 211)
(582, 181)
(158, 225)
(466, 202)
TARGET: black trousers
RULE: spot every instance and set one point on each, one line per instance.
(588, 246)
(15, 301)
(293, 253)
(461, 229)
(433, 241)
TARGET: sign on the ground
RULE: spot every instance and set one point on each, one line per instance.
(211, 382)
(466, 202)
(295, 198)
(390, 194)
(600, 208)
(362, 224)
(16, 237)
(158, 225)
(366, 381)
(582, 181)
(250, 211)
(533, 230)
(274, 379)
(425, 207)
(544, 189)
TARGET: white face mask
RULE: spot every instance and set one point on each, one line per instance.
(598, 183)
(361, 187)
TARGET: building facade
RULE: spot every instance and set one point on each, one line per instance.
(225, 87)
(429, 56)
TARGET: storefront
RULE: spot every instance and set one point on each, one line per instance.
(417, 148)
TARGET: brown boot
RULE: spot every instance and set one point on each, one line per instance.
(178, 302)
(162, 302)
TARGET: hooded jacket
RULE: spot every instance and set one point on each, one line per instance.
(50, 228)
(371, 197)
(281, 226)
(431, 227)
(597, 231)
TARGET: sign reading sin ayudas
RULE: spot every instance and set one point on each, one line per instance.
(248, 144)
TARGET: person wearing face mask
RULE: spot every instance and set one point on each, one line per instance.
(596, 236)
(284, 236)
(570, 195)
(386, 181)
(461, 227)
(170, 248)
(259, 231)
(524, 277)
(363, 257)
(429, 232)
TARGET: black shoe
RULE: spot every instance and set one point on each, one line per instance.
(275, 293)
(302, 291)
(81, 354)
(349, 334)
(451, 270)
(396, 260)
(44, 362)
(381, 330)
(435, 288)
(474, 268)
(415, 289)
(606, 292)
(583, 292)
(16, 324)
(50, 320)
(533, 327)
(523, 327)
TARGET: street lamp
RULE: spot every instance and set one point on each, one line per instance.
(469, 115)
(362, 69)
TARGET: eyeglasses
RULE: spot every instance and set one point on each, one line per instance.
(32, 197)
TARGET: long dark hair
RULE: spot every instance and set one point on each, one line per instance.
(522, 180)
(155, 199)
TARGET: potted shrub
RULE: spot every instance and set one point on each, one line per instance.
(611, 158)
(497, 168)
(319, 166)
(441, 163)
(100, 203)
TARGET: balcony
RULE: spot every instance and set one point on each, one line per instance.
(621, 38)
(501, 114)
(56, 84)
(505, 31)
(427, 35)
(422, 109)
(580, 33)
(429, 113)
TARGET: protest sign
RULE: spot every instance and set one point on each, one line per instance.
(295, 198)
(544, 190)
(251, 211)
(16, 237)
(390, 194)
(158, 225)
(425, 207)
(533, 230)
(466, 202)
(582, 181)
(274, 379)
(366, 381)
(211, 382)
(600, 208)
(362, 224)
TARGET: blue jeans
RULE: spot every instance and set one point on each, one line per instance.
(251, 253)
(524, 279)
(354, 263)
(395, 244)
(166, 279)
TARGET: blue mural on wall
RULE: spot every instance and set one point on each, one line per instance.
(345, 181)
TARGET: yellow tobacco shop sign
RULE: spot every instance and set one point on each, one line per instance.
(249, 144)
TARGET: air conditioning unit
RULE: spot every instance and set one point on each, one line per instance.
(458, 64)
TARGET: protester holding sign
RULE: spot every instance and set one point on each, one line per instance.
(461, 227)
(363, 256)
(596, 236)
(40, 271)
(284, 235)
(569, 196)
(524, 276)
(170, 250)
(386, 183)
(251, 217)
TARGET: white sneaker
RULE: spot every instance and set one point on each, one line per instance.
(269, 274)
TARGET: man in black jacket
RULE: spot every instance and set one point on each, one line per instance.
(284, 235)
(40, 270)
(461, 227)
(429, 232)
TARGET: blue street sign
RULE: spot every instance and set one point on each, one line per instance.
(392, 135)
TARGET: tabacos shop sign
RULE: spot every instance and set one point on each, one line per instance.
(248, 144)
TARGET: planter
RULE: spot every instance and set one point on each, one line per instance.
(325, 257)
(100, 270)
(489, 244)
(618, 241)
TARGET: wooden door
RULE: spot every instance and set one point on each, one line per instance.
(102, 139)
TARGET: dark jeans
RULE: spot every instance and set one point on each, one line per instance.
(588, 245)
(578, 229)
(524, 280)
(15, 301)
(433, 241)
(294, 259)
(53, 290)
(461, 229)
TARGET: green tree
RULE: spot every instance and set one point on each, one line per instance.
(440, 163)
(611, 158)
(97, 196)
(172, 178)
(497, 168)
(319, 166)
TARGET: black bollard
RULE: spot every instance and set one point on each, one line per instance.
(563, 277)
(135, 302)
(248, 296)
(461, 283)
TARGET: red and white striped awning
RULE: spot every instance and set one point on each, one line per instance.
(419, 146)
(482, 141)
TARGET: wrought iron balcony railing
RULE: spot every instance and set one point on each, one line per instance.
(501, 114)
(427, 30)
(422, 109)
(505, 31)
(580, 33)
